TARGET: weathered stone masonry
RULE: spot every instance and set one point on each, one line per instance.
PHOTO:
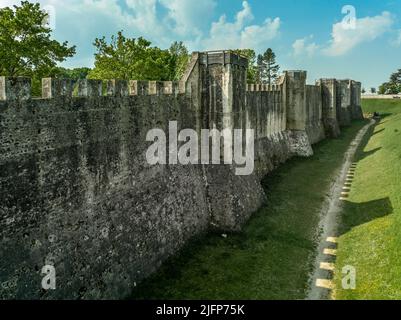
(76, 191)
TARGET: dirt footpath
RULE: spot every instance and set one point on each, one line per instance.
(327, 231)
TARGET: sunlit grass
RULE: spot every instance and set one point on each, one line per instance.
(371, 224)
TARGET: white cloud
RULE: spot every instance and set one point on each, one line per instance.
(366, 29)
(397, 41)
(304, 47)
(161, 21)
(8, 3)
(255, 36)
(188, 17)
(94, 18)
(240, 34)
(245, 15)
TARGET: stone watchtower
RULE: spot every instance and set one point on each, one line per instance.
(216, 84)
(295, 99)
(329, 106)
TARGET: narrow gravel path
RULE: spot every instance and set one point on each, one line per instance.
(320, 284)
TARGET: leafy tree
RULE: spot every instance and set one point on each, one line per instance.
(125, 58)
(267, 67)
(395, 78)
(75, 73)
(252, 69)
(393, 86)
(363, 90)
(179, 60)
(373, 90)
(26, 47)
(382, 89)
(390, 88)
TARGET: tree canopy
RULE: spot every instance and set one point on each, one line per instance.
(393, 86)
(179, 59)
(26, 46)
(267, 68)
(262, 68)
(252, 69)
(75, 73)
(129, 58)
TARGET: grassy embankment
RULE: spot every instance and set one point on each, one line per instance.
(370, 229)
(272, 258)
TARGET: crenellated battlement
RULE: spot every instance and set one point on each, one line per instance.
(15, 88)
(257, 87)
(19, 89)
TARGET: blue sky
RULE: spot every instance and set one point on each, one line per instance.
(305, 34)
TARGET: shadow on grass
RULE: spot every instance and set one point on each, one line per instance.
(361, 154)
(368, 153)
(379, 131)
(385, 115)
(355, 214)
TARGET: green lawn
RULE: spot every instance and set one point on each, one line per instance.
(272, 258)
(371, 225)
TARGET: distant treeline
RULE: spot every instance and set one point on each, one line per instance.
(393, 86)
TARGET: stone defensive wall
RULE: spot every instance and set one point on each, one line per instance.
(77, 193)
